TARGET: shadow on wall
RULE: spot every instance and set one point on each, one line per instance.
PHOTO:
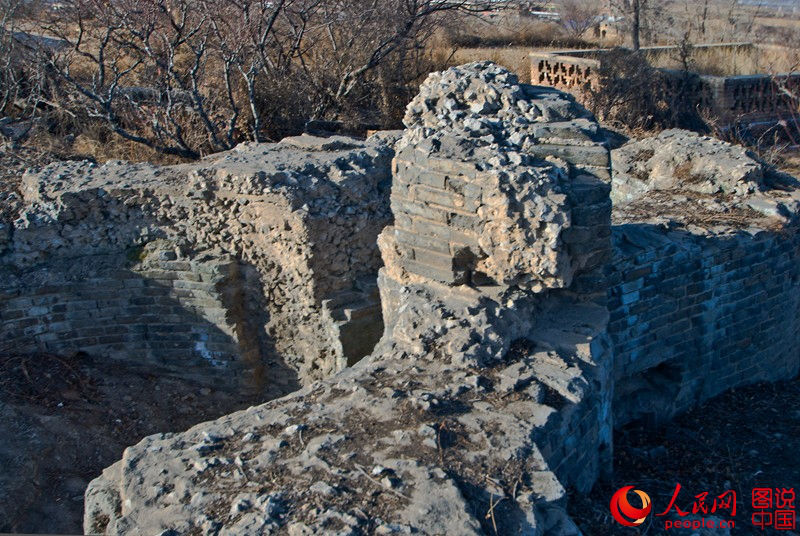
(693, 315)
(200, 318)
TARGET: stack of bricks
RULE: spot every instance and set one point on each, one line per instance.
(435, 203)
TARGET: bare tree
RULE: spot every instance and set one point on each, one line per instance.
(23, 83)
(577, 16)
(640, 16)
(721, 20)
(188, 77)
(19, 81)
(354, 37)
(9, 83)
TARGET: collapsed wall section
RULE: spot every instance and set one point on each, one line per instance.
(704, 293)
(258, 259)
(504, 189)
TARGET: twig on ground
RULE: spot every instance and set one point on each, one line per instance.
(363, 472)
(490, 513)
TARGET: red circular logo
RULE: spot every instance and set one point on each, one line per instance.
(624, 512)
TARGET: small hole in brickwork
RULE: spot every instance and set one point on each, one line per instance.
(649, 397)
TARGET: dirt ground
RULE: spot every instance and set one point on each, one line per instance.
(64, 419)
(744, 439)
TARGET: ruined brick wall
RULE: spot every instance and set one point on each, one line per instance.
(494, 360)
(498, 373)
(703, 291)
(253, 261)
(752, 98)
(564, 71)
(694, 315)
(439, 205)
(166, 310)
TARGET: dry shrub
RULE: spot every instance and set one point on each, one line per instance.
(577, 16)
(633, 96)
(24, 85)
(507, 31)
(775, 142)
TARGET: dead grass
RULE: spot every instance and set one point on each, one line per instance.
(692, 208)
(44, 379)
(93, 141)
(502, 30)
(733, 62)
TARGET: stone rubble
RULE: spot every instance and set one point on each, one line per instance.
(678, 172)
(682, 159)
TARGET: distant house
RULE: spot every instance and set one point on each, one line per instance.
(543, 10)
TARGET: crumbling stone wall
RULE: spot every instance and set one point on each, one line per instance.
(502, 188)
(256, 259)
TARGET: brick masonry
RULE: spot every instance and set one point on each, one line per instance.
(247, 267)
(441, 205)
(694, 315)
(446, 203)
(148, 309)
